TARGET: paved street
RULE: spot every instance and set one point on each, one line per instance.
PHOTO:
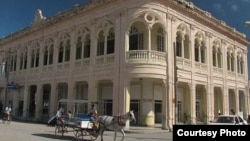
(20, 131)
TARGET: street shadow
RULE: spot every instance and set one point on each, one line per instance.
(52, 136)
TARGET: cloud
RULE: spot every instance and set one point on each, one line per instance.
(218, 7)
(234, 7)
(229, 5)
(247, 1)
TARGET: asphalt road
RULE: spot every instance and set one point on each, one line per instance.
(20, 131)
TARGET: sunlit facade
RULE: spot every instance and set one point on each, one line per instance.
(121, 53)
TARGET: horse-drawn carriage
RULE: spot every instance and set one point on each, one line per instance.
(76, 120)
(83, 127)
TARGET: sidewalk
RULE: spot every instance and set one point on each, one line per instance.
(144, 129)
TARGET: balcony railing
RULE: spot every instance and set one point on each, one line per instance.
(105, 59)
(146, 55)
(82, 62)
(183, 63)
(63, 65)
(201, 68)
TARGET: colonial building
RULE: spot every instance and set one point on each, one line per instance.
(168, 60)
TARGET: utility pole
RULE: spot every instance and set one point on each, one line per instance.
(6, 71)
(175, 85)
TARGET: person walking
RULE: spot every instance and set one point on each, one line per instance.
(8, 112)
(59, 115)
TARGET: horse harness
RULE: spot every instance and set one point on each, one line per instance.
(120, 120)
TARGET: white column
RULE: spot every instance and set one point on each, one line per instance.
(149, 38)
(226, 101)
(82, 49)
(64, 50)
(53, 99)
(124, 99)
(15, 94)
(38, 101)
(48, 57)
(105, 47)
(216, 57)
(148, 102)
(209, 103)
(230, 68)
(165, 106)
(182, 46)
(199, 48)
(193, 103)
(70, 95)
(149, 43)
(25, 101)
(237, 108)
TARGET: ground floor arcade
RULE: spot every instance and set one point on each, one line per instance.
(153, 100)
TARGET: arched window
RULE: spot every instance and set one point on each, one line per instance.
(60, 53)
(25, 57)
(100, 45)
(196, 50)
(160, 40)
(228, 60)
(214, 56)
(111, 42)
(186, 47)
(86, 50)
(11, 63)
(179, 44)
(67, 51)
(21, 61)
(203, 54)
(242, 65)
(135, 39)
(232, 62)
(51, 52)
(32, 59)
(219, 58)
(45, 56)
(79, 48)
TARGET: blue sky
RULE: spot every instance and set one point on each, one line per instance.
(17, 14)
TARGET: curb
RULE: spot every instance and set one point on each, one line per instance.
(145, 130)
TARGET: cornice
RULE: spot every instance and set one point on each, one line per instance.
(190, 10)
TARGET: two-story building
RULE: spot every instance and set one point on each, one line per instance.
(168, 60)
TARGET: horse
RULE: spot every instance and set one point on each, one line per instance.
(115, 123)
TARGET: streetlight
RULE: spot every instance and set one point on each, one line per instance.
(6, 74)
(5, 71)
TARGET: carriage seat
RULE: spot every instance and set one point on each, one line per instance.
(85, 121)
(84, 117)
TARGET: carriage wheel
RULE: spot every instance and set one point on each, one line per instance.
(79, 135)
(59, 130)
(93, 135)
(75, 132)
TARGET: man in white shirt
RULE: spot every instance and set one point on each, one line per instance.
(93, 113)
(8, 111)
(59, 115)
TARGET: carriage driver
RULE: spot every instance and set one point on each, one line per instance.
(59, 115)
(93, 113)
